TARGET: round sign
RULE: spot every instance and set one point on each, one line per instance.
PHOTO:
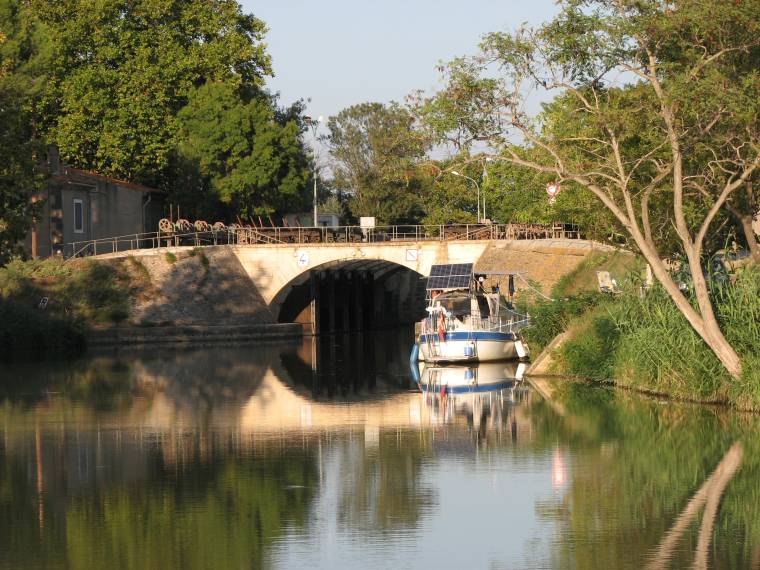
(552, 189)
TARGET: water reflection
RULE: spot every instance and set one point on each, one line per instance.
(333, 455)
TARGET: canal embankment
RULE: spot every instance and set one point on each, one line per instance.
(636, 338)
(52, 306)
(191, 334)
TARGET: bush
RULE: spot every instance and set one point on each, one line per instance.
(590, 352)
(550, 318)
(28, 330)
(170, 257)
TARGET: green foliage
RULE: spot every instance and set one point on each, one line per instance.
(590, 350)
(449, 199)
(18, 177)
(550, 318)
(28, 331)
(170, 258)
(375, 150)
(97, 293)
(517, 194)
(583, 278)
(123, 70)
(645, 342)
(82, 292)
(164, 92)
(242, 150)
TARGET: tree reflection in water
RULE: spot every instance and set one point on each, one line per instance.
(639, 462)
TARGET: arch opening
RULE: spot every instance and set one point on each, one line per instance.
(345, 296)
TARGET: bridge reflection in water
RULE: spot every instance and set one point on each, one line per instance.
(333, 455)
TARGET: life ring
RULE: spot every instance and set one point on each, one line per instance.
(442, 327)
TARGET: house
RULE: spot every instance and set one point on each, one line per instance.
(79, 205)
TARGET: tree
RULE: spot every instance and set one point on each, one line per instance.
(121, 71)
(375, 151)
(19, 179)
(661, 124)
(242, 151)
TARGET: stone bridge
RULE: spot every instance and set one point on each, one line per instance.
(332, 287)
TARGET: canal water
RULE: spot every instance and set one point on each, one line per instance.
(330, 455)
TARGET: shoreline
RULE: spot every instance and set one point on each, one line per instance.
(114, 337)
(540, 372)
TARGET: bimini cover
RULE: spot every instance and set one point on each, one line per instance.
(450, 276)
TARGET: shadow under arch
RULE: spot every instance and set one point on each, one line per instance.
(347, 295)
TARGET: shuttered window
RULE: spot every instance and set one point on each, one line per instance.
(78, 217)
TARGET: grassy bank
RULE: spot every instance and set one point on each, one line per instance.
(645, 343)
(79, 294)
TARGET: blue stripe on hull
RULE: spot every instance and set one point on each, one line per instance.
(475, 335)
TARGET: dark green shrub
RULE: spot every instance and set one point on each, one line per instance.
(591, 350)
(28, 330)
(550, 318)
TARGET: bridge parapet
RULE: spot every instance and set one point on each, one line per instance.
(339, 235)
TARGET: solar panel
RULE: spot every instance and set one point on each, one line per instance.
(450, 276)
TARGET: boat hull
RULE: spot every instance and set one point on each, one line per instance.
(476, 346)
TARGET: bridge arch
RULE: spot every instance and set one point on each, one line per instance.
(345, 295)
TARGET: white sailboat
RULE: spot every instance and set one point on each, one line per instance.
(465, 323)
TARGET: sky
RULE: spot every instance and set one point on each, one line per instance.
(343, 52)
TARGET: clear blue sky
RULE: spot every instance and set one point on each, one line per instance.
(343, 52)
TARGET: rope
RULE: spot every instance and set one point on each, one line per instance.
(533, 288)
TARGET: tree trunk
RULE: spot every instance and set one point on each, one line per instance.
(749, 236)
(703, 322)
(745, 220)
(711, 333)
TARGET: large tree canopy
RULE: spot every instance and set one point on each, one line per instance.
(169, 93)
(18, 151)
(245, 152)
(375, 152)
(122, 71)
(660, 120)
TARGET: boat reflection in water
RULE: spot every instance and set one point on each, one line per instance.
(481, 393)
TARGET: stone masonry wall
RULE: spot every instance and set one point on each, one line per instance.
(542, 261)
(190, 291)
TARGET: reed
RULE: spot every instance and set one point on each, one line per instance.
(646, 343)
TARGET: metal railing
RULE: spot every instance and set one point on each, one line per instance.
(321, 235)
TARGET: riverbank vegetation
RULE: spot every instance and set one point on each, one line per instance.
(45, 306)
(638, 338)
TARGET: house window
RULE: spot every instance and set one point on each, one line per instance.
(78, 217)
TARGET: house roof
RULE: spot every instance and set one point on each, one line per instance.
(68, 174)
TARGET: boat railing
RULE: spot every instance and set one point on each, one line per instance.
(497, 324)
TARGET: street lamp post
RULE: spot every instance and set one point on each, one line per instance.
(485, 175)
(477, 186)
(314, 126)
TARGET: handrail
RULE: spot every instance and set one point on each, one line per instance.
(246, 235)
